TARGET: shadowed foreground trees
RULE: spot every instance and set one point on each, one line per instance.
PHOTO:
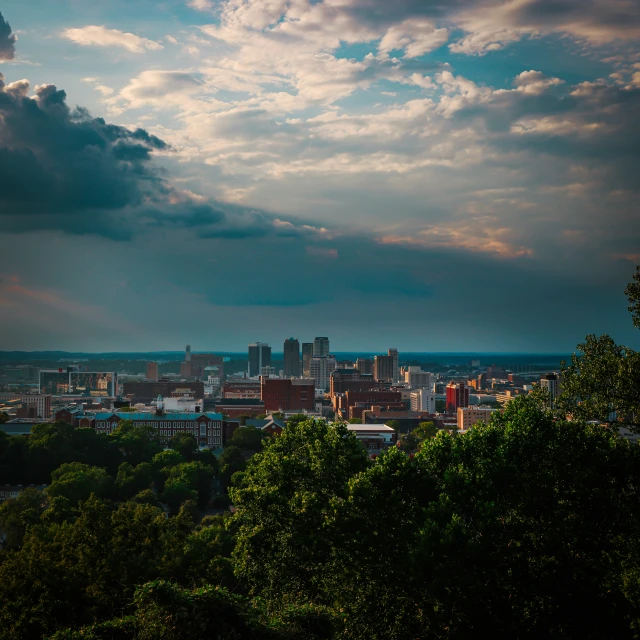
(524, 528)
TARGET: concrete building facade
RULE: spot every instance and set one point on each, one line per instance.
(320, 369)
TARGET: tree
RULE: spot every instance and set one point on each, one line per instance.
(603, 383)
(17, 514)
(185, 444)
(14, 459)
(633, 294)
(69, 573)
(176, 493)
(196, 476)
(603, 380)
(425, 430)
(76, 481)
(167, 459)
(137, 443)
(231, 460)
(517, 510)
(51, 445)
(408, 442)
(132, 480)
(296, 419)
(285, 497)
(4, 417)
(247, 439)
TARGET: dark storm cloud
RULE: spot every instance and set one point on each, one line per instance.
(62, 169)
(57, 161)
(7, 41)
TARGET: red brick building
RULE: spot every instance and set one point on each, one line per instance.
(352, 403)
(236, 407)
(288, 394)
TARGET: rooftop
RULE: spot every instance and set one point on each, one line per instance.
(370, 427)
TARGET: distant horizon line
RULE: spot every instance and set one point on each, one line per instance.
(215, 351)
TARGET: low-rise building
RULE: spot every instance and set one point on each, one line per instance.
(468, 417)
(41, 402)
(374, 437)
(205, 427)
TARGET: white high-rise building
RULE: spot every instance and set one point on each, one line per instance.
(423, 400)
(321, 368)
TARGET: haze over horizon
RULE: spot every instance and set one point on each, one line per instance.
(436, 177)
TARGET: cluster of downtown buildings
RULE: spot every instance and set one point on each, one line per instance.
(210, 403)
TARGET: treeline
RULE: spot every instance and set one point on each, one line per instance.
(524, 528)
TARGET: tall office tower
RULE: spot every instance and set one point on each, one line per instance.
(291, 358)
(457, 396)
(383, 368)
(393, 353)
(551, 384)
(152, 371)
(259, 356)
(307, 354)
(364, 365)
(187, 353)
(320, 369)
(320, 347)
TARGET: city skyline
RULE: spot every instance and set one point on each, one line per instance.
(443, 177)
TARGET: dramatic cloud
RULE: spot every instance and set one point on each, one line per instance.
(57, 161)
(100, 36)
(7, 41)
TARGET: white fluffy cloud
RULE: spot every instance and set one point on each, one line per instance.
(415, 36)
(100, 36)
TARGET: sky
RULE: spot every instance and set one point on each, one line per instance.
(429, 175)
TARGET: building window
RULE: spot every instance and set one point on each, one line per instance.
(203, 429)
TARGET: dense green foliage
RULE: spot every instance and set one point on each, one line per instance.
(412, 441)
(523, 528)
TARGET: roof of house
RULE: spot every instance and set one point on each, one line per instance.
(370, 427)
(152, 417)
(266, 422)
